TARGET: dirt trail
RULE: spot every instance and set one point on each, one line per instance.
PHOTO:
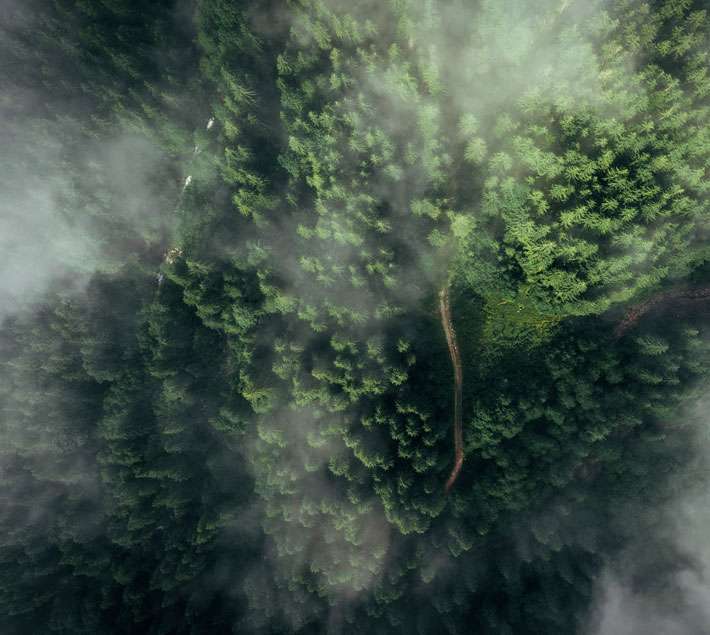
(630, 320)
(636, 312)
(448, 326)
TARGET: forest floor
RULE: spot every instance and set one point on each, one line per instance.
(448, 326)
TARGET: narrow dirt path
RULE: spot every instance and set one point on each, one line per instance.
(448, 326)
(636, 312)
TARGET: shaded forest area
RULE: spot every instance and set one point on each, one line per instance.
(231, 234)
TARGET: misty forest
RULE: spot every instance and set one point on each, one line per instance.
(355, 316)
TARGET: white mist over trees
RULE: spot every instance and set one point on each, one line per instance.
(226, 394)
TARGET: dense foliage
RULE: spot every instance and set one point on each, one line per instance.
(226, 405)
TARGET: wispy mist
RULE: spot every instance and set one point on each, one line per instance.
(659, 582)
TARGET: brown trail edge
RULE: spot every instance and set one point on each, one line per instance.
(448, 326)
(636, 312)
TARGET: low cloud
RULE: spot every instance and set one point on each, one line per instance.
(660, 582)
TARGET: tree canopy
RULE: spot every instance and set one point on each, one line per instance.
(227, 398)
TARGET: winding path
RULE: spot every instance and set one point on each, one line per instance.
(636, 312)
(631, 318)
(448, 326)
